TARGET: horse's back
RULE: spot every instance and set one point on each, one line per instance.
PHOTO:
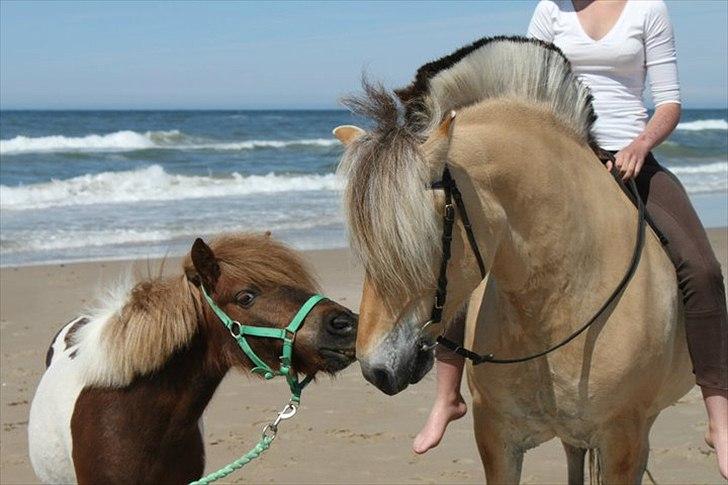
(49, 424)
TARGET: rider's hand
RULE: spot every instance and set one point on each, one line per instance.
(630, 159)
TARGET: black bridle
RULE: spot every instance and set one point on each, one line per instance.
(449, 186)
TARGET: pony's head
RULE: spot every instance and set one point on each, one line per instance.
(395, 222)
(260, 282)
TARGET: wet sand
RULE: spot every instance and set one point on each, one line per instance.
(346, 431)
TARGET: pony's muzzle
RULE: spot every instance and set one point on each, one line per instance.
(337, 338)
(341, 324)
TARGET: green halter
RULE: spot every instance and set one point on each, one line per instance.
(288, 334)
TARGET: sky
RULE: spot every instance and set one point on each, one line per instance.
(297, 55)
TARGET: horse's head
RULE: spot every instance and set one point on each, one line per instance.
(259, 282)
(395, 222)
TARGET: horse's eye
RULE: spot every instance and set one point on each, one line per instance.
(245, 298)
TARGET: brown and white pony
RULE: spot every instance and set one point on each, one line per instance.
(125, 386)
(556, 234)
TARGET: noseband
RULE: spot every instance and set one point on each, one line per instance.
(287, 335)
(449, 186)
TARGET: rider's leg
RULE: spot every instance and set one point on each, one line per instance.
(701, 282)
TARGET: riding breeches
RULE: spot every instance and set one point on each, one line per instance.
(698, 274)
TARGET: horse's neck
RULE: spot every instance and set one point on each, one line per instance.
(188, 380)
(565, 224)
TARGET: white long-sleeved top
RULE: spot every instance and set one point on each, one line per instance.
(614, 67)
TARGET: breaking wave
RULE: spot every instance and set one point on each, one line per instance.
(700, 125)
(124, 141)
(153, 183)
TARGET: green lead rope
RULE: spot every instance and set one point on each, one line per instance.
(288, 334)
(262, 445)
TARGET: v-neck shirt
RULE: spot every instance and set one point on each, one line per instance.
(639, 44)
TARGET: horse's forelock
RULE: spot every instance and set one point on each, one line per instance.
(376, 104)
(391, 213)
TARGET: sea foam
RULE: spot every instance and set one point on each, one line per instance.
(153, 183)
(700, 125)
(716, 168)
(121, 141)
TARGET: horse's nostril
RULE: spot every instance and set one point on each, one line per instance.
(342, 324)
(384, 380)
(381, 378)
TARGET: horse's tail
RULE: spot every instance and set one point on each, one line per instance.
(595, 467)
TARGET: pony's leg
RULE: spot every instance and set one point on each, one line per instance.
(624, 449)
(575, 460)
(502, 460)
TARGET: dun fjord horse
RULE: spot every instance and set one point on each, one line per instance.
(512, 123)
(126, 386)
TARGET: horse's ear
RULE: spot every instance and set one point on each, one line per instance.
(348, 133)
(206, 268)
(446, 124)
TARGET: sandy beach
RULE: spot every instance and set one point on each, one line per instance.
(346, 431)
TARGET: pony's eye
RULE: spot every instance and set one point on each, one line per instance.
(245, 298)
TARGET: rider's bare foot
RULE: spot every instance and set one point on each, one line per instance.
(443, 411)
(716, 403)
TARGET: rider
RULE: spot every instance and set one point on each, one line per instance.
(611, 46)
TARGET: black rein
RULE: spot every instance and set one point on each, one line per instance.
(449, 186)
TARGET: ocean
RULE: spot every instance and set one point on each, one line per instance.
(90, 185)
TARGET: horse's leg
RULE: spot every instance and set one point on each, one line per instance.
(575, 459)
(624, 448)
(502, 460)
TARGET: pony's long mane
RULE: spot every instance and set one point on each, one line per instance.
(393, 222)
(139, 326)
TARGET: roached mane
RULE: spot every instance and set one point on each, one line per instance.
(499, 67)
(393, 223)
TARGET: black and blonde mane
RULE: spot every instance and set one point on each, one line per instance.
(494, 67)
(392, 219)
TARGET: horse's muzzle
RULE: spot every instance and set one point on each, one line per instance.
(391, 378)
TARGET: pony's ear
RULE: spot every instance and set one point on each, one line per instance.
(206, 268)
(348, 133)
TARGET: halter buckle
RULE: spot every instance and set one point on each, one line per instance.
(449, 213)
(239, 329)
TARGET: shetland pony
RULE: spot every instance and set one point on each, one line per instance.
(125, 387)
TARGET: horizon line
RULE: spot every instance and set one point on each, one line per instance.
(725, 107)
